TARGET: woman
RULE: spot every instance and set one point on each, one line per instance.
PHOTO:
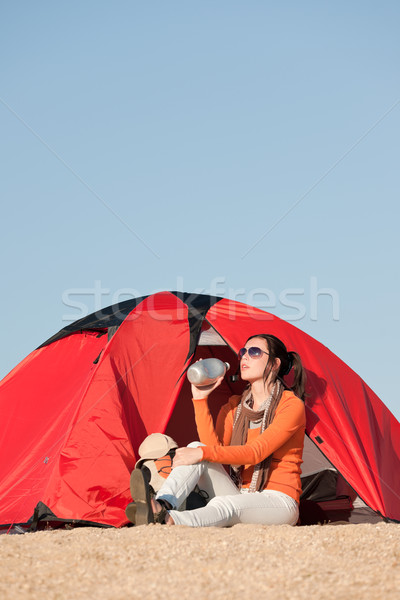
(260, 434)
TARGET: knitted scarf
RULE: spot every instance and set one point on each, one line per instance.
(244, 415)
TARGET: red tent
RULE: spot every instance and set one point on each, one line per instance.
(75, 411)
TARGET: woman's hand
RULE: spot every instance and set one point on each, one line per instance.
(205, 390)
(187, 456)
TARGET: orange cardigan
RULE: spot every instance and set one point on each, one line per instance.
(284, 439)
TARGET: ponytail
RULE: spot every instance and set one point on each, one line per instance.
(299, 382)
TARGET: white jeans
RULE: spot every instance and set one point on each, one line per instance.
(227, 505)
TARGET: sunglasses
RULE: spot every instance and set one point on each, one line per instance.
(254, 352)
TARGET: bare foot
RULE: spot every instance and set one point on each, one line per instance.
(156, 506)
(169, 520)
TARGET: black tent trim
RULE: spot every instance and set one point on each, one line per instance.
(114, 315)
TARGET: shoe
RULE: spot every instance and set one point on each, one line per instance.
(140, 491)
(140, 512)
(130, 512)
(147, 476)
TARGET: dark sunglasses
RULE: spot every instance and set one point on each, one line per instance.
(254, 352)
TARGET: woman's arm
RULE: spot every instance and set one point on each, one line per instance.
(208, 434)
(205, 426)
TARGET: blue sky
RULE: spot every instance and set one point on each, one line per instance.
(248, 149)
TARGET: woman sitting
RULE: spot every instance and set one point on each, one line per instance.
(260, 434)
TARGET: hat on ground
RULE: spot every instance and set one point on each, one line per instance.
(155, 446)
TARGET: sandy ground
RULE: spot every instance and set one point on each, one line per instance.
(243, 562)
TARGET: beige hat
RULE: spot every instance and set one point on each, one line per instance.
(155, 446)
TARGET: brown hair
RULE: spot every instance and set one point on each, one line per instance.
(289, 360)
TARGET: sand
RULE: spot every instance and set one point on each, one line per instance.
(243, 562)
